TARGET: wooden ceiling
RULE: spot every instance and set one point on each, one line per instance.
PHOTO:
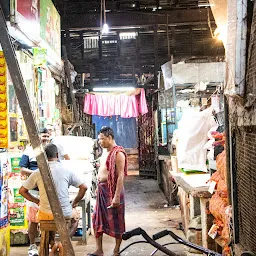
(161, 29)
(92, 6)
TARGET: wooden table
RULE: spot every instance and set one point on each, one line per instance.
(194, 201)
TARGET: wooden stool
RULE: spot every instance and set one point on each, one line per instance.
(46, 226)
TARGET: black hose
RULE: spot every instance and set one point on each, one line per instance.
(157, 245)
(138, 242)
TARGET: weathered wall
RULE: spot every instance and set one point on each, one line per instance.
(133, 158)
(125, 129)
(242, 118)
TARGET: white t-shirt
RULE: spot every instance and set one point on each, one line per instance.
(63, 177)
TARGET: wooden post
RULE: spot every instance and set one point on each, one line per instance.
(156, 64)
(167, 35)
(207, 221)
(33, 132)
(68, 44)
(82, 44)
(71, 88)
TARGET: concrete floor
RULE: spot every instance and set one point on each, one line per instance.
(145, 208)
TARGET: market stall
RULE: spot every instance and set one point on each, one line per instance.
(195, 162)
(202, 189)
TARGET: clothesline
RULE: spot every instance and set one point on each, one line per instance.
(128, 93)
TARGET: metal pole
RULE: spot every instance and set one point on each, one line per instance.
(32, 129)
(174, 99)
(167, 34)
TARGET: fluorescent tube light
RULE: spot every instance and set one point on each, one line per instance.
(105, 29)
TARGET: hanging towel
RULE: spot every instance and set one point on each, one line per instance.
(126, 106)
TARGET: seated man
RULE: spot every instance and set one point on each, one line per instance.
(28, 165)
(63, 177)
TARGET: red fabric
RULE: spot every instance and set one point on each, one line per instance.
(113, 105)
(111, 167)
(109, 221)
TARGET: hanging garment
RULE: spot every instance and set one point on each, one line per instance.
(126, 106)
(143, 108)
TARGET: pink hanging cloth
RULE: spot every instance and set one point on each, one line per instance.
(115, 105)
(87, 104)
(143, 108)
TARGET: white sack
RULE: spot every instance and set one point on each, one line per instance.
(193, 129)
(77, 147)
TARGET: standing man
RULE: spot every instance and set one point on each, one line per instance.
(108, 216)
(28, 165)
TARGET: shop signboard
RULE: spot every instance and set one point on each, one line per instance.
(50, 25)
(3, 103)
(39, 56)
(27, 17)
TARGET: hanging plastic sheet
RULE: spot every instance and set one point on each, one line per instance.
(192, 137)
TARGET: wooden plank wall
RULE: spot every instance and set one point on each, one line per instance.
(110, 59)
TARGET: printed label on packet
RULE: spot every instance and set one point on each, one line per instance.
(212, 186)
(213, 231)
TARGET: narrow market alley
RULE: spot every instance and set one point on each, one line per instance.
(145, 208)
(92, 90)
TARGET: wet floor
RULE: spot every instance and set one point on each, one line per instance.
(146, 208)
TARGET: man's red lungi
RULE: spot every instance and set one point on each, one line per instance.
(109, 221)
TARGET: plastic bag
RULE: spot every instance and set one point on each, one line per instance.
(193, 135)
(217, 207)
(221, 165)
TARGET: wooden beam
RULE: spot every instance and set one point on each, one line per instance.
(68, 44)
(24, 103)
(82, 44)
(176, 17)
(118, 44)
(167, 35)
(100, 46)
(71, 88)
(91, 68)
(156, 64)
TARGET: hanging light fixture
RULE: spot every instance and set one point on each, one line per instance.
(104, 27)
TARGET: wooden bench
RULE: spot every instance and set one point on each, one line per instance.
(47, 226)
(194, 201)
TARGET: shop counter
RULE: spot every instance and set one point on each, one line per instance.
(194, 198)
